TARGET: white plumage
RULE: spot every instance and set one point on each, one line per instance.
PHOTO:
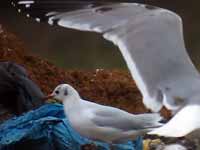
(103, 123)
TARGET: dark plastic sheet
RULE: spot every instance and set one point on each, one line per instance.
(17, 91)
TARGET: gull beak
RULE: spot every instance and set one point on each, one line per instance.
(50, 96)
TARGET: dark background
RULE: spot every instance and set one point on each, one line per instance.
(74, 49)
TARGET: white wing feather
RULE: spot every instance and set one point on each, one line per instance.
(151, 42)
(149, 38)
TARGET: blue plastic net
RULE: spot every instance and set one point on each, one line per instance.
(47, 128)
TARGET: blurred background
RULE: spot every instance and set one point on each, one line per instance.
(72, 49)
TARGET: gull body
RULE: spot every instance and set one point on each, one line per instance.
(103, 123)
(151, 42)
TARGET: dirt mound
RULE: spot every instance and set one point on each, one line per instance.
(110, 87)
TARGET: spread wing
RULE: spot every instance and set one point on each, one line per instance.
(149, 38)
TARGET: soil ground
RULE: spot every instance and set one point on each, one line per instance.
(109, 87)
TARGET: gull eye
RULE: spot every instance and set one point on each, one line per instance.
(57, 92)
(65, 92)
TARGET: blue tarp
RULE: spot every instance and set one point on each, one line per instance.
(47, 128)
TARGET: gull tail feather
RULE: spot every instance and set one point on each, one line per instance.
(151, 120)
(183, 123)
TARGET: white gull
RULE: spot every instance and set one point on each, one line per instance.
(102, 123)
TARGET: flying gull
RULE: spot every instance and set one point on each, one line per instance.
(152, 44)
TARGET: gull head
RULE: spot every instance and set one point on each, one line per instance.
(63, 92)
